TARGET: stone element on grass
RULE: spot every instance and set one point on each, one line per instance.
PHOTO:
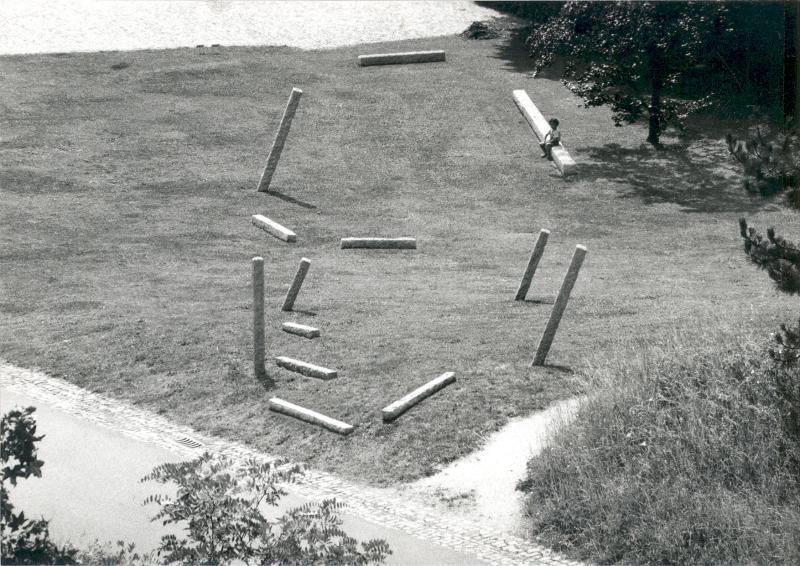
(305, 368)
(300, 329)
(309, 416)
(280, 140)
(299, 277)
(380, 243)
(280, 232)
(559, 306)
(391, 412)
(540, 127)
(538, 251)
(479, 30)
(258, 318)
(401, 58)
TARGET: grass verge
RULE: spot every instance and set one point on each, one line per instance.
(128, 185)
(678, 459)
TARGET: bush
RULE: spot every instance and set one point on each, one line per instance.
(24, 541)
(692, 461)
(220, 508)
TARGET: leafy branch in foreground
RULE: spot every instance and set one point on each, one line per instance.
(24, 541)
(220, 506)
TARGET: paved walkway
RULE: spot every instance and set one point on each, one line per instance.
(386, 508)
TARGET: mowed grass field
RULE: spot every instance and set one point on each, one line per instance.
(126, 241)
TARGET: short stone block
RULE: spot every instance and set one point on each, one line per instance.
(309, 416)
(540, 127)
(300, 329)
(391, 412)
(272, 227)
(305, 368)
(401, 58)
(380, 243)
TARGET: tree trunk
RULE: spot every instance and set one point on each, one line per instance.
(791, 65)
(655, 125)
(657, 65)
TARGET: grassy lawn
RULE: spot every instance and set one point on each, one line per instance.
(126, 242)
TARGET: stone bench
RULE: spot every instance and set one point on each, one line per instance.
(540, 127)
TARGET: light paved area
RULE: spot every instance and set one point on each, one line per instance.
(46, 26)
(387, 508)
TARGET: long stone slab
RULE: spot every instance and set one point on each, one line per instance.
(540, 127)
(391, 412)
(401, 58)
(272, 227)
(380, 243)
(305, 368)
(309, 416)
(280, 140)
(300, 330)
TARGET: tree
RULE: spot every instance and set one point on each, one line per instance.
(220, 507)
(659, 61)
(24, 541)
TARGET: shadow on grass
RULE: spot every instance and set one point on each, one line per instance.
(307, 313)
(514, 51)
(291, 199)
(541, 300)
(698, 181)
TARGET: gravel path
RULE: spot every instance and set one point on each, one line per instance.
(385, 507)
(45, 26)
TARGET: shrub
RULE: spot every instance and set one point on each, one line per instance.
(220, 508)
(24, 541)
(688, 461)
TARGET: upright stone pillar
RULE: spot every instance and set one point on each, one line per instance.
(259, 338)
(280, 139)
(559, 306)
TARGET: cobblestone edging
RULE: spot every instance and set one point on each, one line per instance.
(383, 507)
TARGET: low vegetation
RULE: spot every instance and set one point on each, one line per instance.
(679, 458)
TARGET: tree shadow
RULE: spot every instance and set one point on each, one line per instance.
(514, 51)
(291, 199)
(696, 177)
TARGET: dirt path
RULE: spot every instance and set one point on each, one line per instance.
(483, 484)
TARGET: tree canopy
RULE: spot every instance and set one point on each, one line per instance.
(662, 61)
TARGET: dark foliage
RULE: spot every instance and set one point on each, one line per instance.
(24, 541)
(771, 163)
(780, 258)
(662, 61)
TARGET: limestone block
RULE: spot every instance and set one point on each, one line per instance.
(561, 303)
(540, 127)
(391, 412)
(259, 369)
(401, 58)
(280, 140)
(305, 368)
(300, 329)
(380, 243)
(533, 262)
(309, 416)
(272, 227)
(299, 277)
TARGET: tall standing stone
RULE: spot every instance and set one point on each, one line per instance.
(560, 305)
(280, 140)
(538, 251)
(259, 338)
(299, 277)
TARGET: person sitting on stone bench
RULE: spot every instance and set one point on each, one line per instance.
(552, 138)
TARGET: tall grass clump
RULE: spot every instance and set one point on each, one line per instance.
(680, 458)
